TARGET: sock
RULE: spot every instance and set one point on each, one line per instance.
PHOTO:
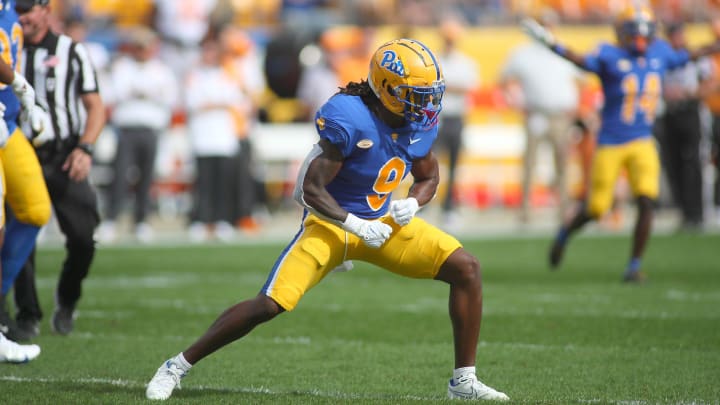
(459, 372)
(180, 361)
(562, 236)
(634, 265)
(19, 243)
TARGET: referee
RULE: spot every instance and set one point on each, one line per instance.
(66, 87)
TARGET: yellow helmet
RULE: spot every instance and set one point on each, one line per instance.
(635, 27)
(406, 77)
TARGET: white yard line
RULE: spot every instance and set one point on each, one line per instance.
(245, 390)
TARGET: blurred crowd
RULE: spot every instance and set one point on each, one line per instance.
(268, 14)
(216, 68)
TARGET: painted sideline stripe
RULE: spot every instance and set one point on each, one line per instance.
(243, 390)
(106, 381)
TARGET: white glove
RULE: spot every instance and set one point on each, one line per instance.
(26, 94)
(402, 211)
(535, 30)
(4, 132)
(374, 233)
(46, 131)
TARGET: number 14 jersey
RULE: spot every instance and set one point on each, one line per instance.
(632, 88)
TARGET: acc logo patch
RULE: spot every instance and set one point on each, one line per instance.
(320, 122)
(391, 62)
(364, 144)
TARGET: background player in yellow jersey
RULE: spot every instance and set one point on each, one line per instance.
(372, 134)
(631, 74)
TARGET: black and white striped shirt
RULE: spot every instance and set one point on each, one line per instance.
(61, 71)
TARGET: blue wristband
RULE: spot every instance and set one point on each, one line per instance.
(559, 49)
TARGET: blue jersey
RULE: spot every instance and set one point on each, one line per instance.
(632, 87)
(11, 40)
(377, 157)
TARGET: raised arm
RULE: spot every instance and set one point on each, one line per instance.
(705, 50)
(541, 34)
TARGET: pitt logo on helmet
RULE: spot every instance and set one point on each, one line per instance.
(391, 62)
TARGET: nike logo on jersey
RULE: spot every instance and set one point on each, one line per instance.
(415, 140)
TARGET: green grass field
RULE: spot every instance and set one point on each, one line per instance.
(573, 336)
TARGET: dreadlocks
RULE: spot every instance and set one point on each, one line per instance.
(361, 89)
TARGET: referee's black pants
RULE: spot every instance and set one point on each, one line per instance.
(679, 134)
(716, 159)
(76, 210)
(137, 147)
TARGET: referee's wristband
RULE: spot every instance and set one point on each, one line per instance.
(86, 147)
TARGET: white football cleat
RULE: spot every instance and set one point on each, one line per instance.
(469, 387)
(11, 352)
(144, 233)
(164, 381)
(106, 232)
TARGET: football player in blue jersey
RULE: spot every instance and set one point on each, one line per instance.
(631, 73)
(372, 134)
(27, 196)
(10, 351)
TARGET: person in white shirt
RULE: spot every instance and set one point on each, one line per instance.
(549, 97)
(212, 99)
(182, 25)
(461, 76)
(143, 95)
(320, 78)
(243, 62)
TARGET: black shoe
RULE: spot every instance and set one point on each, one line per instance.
(10, 329)
(63, 320)
(634, 277)
(556, 252)
(29, 326)
(691, 226)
